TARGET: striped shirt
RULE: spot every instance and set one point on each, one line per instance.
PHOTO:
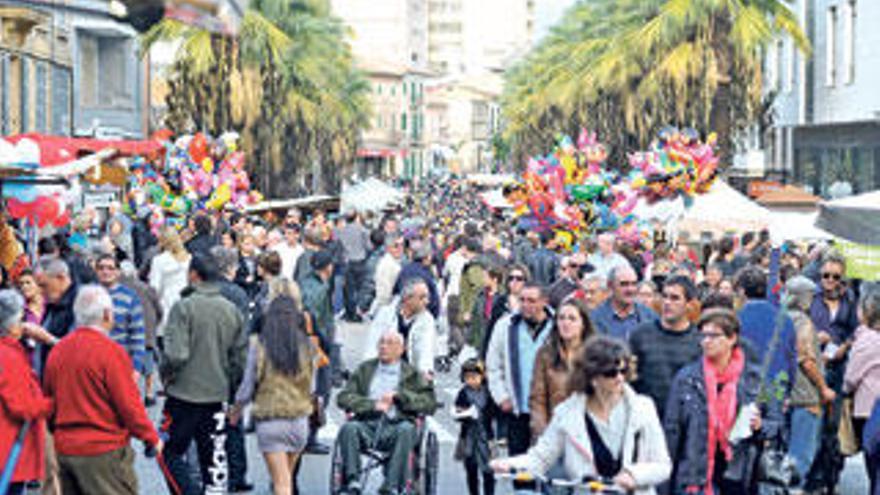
(128, 328)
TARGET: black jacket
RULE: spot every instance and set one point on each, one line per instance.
(544, 266)
(686, 425)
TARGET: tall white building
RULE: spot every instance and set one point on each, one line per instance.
(466, 36)
(395, 31)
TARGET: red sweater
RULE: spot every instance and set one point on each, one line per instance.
(21, 401)
(97, 403)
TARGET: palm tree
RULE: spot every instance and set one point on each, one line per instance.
(286, 82)
(629, 67)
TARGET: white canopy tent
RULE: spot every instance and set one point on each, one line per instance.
(369, 195)
(495, 199)
(794, 226)
(723, 209)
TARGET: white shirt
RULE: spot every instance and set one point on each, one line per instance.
(289, 256)
(453, 271)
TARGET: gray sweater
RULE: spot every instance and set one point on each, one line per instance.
(205, 347)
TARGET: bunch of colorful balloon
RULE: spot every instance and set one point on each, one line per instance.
(570, 192)
(195, 173)
(678, 163)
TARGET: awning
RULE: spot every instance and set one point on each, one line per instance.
(57, 150)
(856, 218)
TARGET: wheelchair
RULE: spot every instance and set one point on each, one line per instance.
(423, 464)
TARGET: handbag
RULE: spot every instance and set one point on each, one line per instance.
(846, 434)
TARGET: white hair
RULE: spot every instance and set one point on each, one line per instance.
(392, 334)
(11, 309)
(90, 305)
(53, 266)
(409, 287)
(591, 277)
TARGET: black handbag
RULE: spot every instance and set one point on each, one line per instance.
(776, 468)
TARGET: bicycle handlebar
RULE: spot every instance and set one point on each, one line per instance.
(587, 483)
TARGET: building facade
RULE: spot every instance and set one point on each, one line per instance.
(462, 38)
(826, 114)
(394, 31)
(70, 68)
(463, 118)
(395, 145)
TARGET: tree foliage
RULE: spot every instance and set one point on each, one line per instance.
(286, 82)
(627, 68)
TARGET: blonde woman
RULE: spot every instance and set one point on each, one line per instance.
(168, 273)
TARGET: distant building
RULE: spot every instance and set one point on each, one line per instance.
(69, 68)
(471, 37)
(395, 145)
(463, 117)
(394, 31)
(826, 115)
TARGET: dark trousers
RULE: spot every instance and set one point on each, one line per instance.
(472, 469)
(399, 439)
(355, 273)
(519, 439)
(519, 434)
(15, 489)
(237, 455)
(183, 422)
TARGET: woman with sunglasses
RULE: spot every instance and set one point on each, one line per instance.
(604, 430)
(703, 406)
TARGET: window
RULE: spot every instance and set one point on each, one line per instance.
(849, 42)
(403, 122)
(378, 88)
(830, 46)
(60, 101)
(4, 94)
(42, 75)
(780, 61)
(104, 71)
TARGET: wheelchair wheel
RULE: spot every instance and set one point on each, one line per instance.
(337, 475)
(431, 471)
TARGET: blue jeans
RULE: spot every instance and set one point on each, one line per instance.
(806, 431)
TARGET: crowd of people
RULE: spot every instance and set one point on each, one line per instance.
(657, 369)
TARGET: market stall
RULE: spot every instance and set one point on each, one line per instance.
(856, 218)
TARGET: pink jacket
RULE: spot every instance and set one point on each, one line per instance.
(863, 371)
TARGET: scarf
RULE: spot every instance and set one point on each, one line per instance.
(721, 407)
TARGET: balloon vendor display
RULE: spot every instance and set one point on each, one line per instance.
(571, 191)
(195, 173)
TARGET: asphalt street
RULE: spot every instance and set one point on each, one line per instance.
(314, 477)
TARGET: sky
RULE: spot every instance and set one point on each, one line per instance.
(548, 13)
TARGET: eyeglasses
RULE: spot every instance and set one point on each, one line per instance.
(105, 267)
(613, 372)
(711, 335)
(627, 283)
(831, 276)
(516, 278)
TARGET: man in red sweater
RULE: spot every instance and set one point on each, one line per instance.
(97, 404)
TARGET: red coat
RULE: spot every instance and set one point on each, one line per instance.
(22, 400)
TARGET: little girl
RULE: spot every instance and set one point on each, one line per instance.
(475, 409)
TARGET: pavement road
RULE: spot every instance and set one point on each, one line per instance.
(315, 473)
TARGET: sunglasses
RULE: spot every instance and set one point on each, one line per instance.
(613, 372)
(516, 278)
(831, 276)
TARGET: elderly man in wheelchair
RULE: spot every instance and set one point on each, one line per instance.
(386, 397)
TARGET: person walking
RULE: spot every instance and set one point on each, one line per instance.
(97, 405)
(204, 355)
(152, 311)
(168, 274)
(355, 241)
(705, 400)
(127, 311)
(665, 346)
(621, 313)
(809, 391)
(554, 362)
(862, 378)
(278, 381)
(604, 429)
(510, 362)
(24, 405)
